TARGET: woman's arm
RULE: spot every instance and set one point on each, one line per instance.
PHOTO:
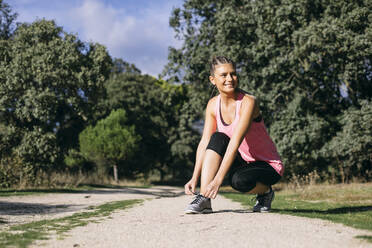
(249, 109)
(209, 128)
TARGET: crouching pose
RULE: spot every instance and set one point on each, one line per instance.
(235, 142)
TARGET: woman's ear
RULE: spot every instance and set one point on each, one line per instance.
(211, 79)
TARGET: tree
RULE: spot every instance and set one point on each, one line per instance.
(121, 66)
(279, 46)
(298, 134)
(284, 50)
(7, 18)
(349, 153)
(155, 108)
(50, 82)
(111, 141)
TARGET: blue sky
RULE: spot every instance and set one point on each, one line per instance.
(134, 30)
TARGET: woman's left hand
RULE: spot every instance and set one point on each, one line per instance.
(212, 189)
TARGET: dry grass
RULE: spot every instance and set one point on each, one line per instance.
(338, 193)
(68, 180)
(310, 188)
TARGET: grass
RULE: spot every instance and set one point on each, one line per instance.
(23, 235)
(350, 204)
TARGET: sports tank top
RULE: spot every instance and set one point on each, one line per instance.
(257, 144)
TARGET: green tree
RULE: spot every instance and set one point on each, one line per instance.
(154, 107)
(112, 141)
(278, 46)
(50, 82)
(7, 18)
(298, 135)
(284, 50)
(121, 66)
(349, 153)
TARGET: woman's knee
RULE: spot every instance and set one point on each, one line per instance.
(218, 143)
(243, 183)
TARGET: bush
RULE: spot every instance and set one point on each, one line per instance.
(349, 153)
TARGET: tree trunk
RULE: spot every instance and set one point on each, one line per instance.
(116, 173)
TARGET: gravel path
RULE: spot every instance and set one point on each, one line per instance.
(23, 209)
(160, 222)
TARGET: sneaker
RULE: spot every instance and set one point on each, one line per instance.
(263, 203)
(200, 205)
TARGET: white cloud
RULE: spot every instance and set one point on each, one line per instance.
(103, 24)
(142, 39)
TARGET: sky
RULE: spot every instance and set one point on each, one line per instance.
(135, 30)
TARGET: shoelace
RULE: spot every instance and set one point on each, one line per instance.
(197, 199)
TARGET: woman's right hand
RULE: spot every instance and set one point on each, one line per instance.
(190, 187)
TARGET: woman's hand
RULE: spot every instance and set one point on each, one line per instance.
(190, 187)
(212, 189)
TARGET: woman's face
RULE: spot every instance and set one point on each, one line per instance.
(224, 78)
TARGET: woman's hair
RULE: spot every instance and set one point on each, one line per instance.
(219, 60)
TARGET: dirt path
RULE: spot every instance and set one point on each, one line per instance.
(160, 222)
(23, 209)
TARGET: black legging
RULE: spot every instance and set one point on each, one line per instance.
(243, 176)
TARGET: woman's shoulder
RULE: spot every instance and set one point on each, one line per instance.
(246, 97)
(249, 101)
(212, 101)
(211, 106)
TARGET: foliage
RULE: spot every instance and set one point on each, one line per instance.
(12, 171)
(285, 50)
(7, 18)
(52, 87)
(298, 136)
(278, 46)
(154, 108)
(111, 140)
(350, 151)
(77, 163)
(49, 85)
(121, 66)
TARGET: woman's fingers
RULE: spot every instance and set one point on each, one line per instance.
(187, 189)
(192, 189)
(212, 190)
(211, 194)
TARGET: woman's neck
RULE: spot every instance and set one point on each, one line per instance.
(226, 99)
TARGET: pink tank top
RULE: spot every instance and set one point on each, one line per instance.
(257, 144)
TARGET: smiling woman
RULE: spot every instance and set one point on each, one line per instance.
(136, 31)
(234, 142)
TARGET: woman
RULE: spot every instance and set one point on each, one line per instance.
(234, 140)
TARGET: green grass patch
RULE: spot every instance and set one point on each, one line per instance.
(367, 237)
(346, 204)
(23, 235)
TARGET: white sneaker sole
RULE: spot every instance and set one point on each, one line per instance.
(264, 210)
(205, 211)
(261, 211)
